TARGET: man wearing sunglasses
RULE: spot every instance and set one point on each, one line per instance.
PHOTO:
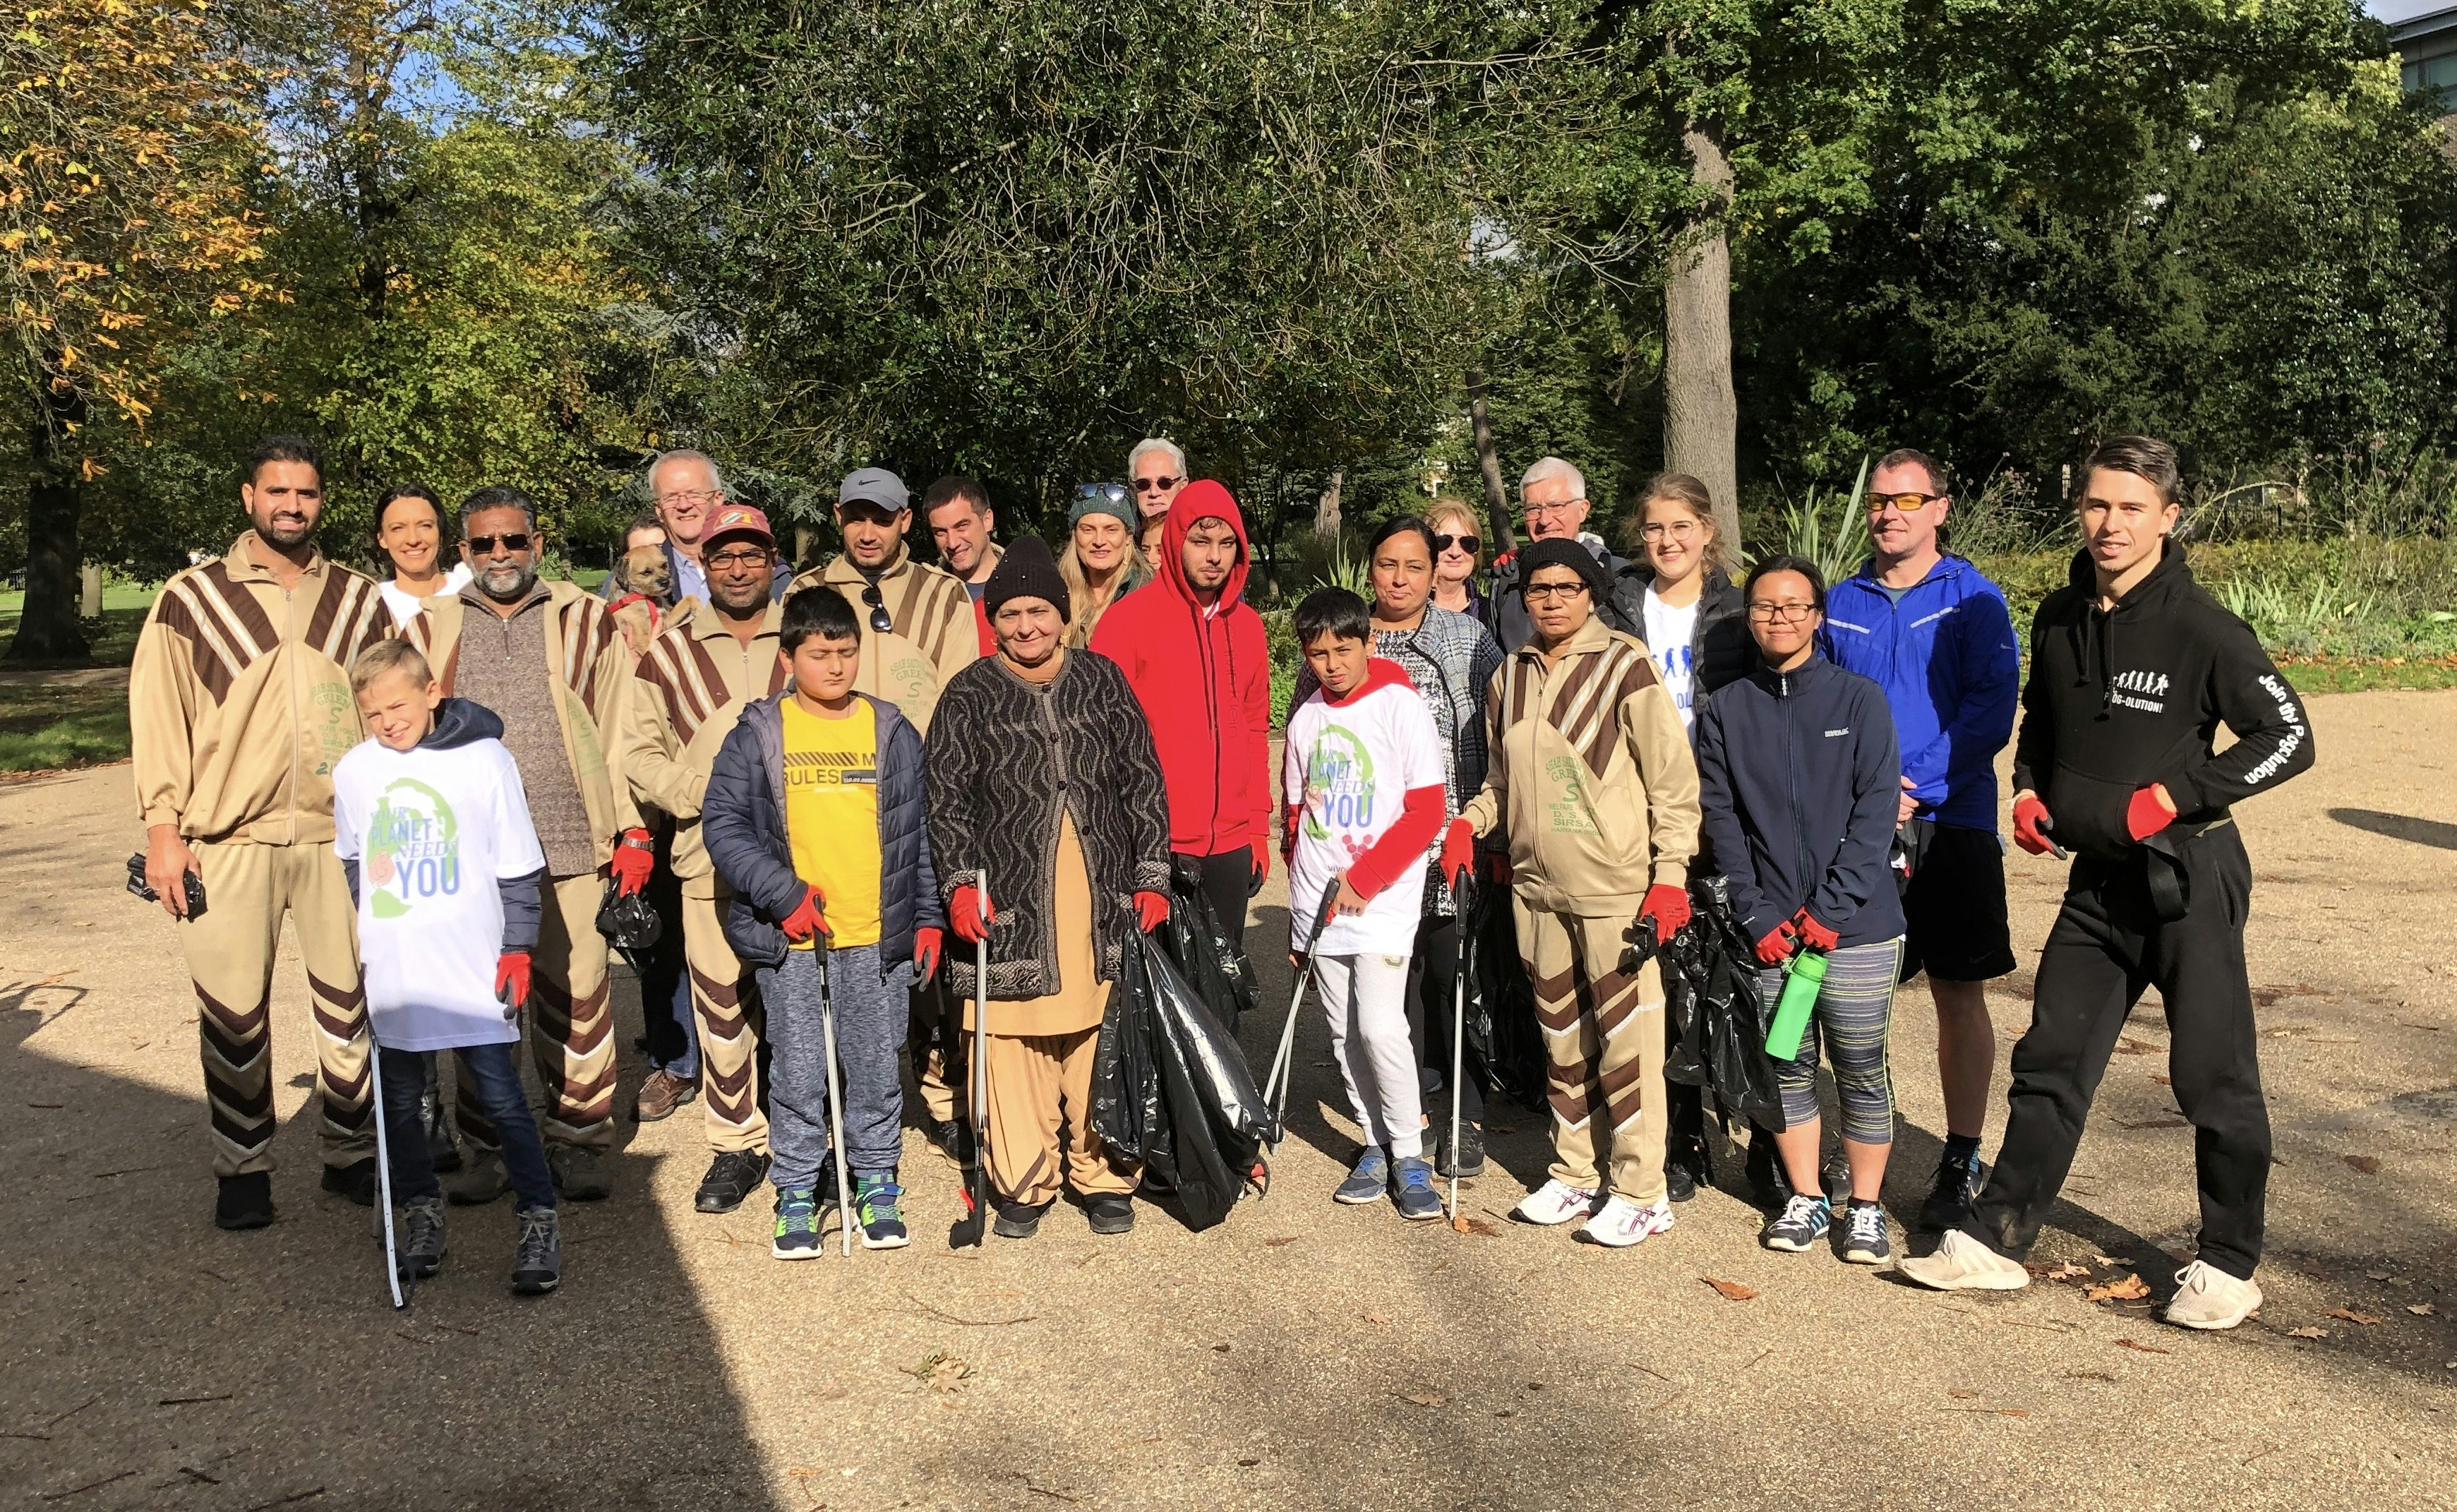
(1934, 634)
(1555, 496)
(1155, 470)
(548, 660)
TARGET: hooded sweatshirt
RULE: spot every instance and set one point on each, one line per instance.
(2119, 699)
(1203, 678)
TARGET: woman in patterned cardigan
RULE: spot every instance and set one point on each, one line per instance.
(1040, 772)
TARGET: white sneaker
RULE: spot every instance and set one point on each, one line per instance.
(1621, 1224)
(1554, 1202)
(2208, 1298)
(1962, 1263)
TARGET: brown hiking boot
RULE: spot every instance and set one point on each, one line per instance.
(660, 1096)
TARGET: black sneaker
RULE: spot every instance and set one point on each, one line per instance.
(731, 1176)
(875, 1207)
(537, 1254)
(1017, 1220)
(951, 1139)
(1110, 1212)
(418, 1236)
(1469, 1157)
(244, 1202)
(1863, 1235)
(355, 1181)
(580, 1175)
(1957, 1184)
(1802, 1223)
(1686, 1168)
(1768, 1187)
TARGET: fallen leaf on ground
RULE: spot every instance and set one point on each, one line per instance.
(2129, 1288)
(2139, 1348)
(1248, 1463)
(1733, 1291)
(2160, 1080)
(2351, 1315)
(2368, 1165)
(1374, 1317)
(1220, 1348)
(2107, 1260)
(2308, 1333)
(1482, 1226)
(2127, 1045)
(2422, 1309)
(2070, 1272)
(942, 1370)
(1422, 1399)
(1286, 1238)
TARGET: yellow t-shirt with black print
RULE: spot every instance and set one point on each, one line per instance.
(832, 816)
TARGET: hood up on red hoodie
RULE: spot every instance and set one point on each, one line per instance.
(1205, 684)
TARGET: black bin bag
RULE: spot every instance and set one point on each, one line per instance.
(1218, 971)
(1710, 987)
(1170, 1086)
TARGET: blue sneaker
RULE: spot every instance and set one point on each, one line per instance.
(1368, 1181)
(797, 1225)
(1802, 1223)
(1419, 1202)
(874, 1208)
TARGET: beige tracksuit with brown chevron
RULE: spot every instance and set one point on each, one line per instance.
(238, 705)
(1591, 775)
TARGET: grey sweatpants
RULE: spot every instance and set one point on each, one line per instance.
(1853, 1015)
(871, 1013)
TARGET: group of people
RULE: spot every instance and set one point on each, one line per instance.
(804, 783)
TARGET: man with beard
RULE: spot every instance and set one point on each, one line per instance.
(548, 660)
(238, 704)
(687, 693)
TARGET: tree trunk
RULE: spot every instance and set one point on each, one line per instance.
(48, 628)
(1701, 417)
(1497, 497)
(1326, 508)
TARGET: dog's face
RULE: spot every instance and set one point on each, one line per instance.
(645, 570)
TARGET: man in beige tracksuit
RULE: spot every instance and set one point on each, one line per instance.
(238, 705)
(551, 663)
(688, 692)
(1591, 775)
(919, 629)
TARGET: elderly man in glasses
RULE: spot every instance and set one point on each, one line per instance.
(921, 627)
(685, 491)
(1555, 496)
(1155, 469)
(1925, 626)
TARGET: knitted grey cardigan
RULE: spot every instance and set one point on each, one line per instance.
(1005, 759)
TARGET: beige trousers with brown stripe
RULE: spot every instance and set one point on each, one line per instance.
(1604, 1044)
(728, 1039)
(571, 1026)
(1037, 1081)
(229, 949)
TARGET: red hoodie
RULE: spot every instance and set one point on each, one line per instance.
(1204, 682)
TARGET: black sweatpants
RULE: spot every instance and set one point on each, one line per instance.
(1228, 881)
(2107, 946)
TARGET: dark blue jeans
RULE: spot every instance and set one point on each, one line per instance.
(496, 1075)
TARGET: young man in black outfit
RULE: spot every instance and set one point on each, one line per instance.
(2132, 669)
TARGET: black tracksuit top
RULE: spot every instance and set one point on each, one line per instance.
(2122, 698)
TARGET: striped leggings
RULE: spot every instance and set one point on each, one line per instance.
(1854, 1009)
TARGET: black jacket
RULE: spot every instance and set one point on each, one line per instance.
(1798, 785)
(1721, 650)
(2120, 699)
(1504, 610)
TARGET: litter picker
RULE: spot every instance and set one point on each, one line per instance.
(1275, 1086)
(973, 1226)
(383, 1169)
(1458, 1036)
(835, 1096)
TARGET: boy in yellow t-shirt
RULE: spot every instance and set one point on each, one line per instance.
(814, 818)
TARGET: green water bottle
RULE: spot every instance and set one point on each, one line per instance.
(1801, 981)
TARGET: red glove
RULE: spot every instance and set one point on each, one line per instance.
(512, 978)
(807, 920)
(634, 855)
(2030, 825)
(1151, 908)
(1458, 849)
(1262, 866)
(927, 942)
(1496, 867)
(968, 916)
(1668, 906)
(1812, 934)
(2149, 812)
(1778, 945)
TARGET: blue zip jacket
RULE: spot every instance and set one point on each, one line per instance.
(742, 823)
(1951, 671)
(1798, 782)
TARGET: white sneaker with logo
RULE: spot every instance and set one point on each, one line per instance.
(2208, 1298)
(1622, 1223)
(1556, 1202)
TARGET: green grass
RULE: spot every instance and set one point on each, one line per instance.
(44, 728)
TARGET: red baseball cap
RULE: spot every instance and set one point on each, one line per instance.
(738, 519)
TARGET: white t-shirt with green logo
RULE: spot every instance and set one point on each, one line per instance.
(433, 830)
(1351, 766)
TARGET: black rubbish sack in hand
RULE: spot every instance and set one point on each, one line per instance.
(1203, 1137)
(1218, 971)
(1127, 1113)
(1505, 1041)
(1728, 1023)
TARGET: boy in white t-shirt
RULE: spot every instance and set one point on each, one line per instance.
(1363, 788)
(433, 831)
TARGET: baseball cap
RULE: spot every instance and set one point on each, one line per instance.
(738, 519)
(873, 485)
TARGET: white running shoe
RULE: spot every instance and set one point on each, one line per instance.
(2208, 1298)
(1556, 1202)
(1620, 1223)
(1962, 1263)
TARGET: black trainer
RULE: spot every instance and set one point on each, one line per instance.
(1110, 1212)
(731, 1176)
(355, 1181)
(418, 1235)
(1470, 1152)
(244, 1202)
(950, 1137)
(537, 1254)
(1017, 1220)
(1957, 1184)
(1687, 1165)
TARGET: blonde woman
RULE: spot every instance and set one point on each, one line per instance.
(1694, 623)
(1455, 543)
(1100, 565)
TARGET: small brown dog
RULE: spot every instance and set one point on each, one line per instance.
(644, 585)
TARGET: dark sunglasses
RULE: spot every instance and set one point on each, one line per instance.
(1114, 492)
(1465, 543)
(1156, 484)
(880, 620)
(485, 545)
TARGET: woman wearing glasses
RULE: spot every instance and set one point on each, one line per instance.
(1100, 565)
(1455, 558)
(1797, 778)
(1449, 657)
(1155, 469)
